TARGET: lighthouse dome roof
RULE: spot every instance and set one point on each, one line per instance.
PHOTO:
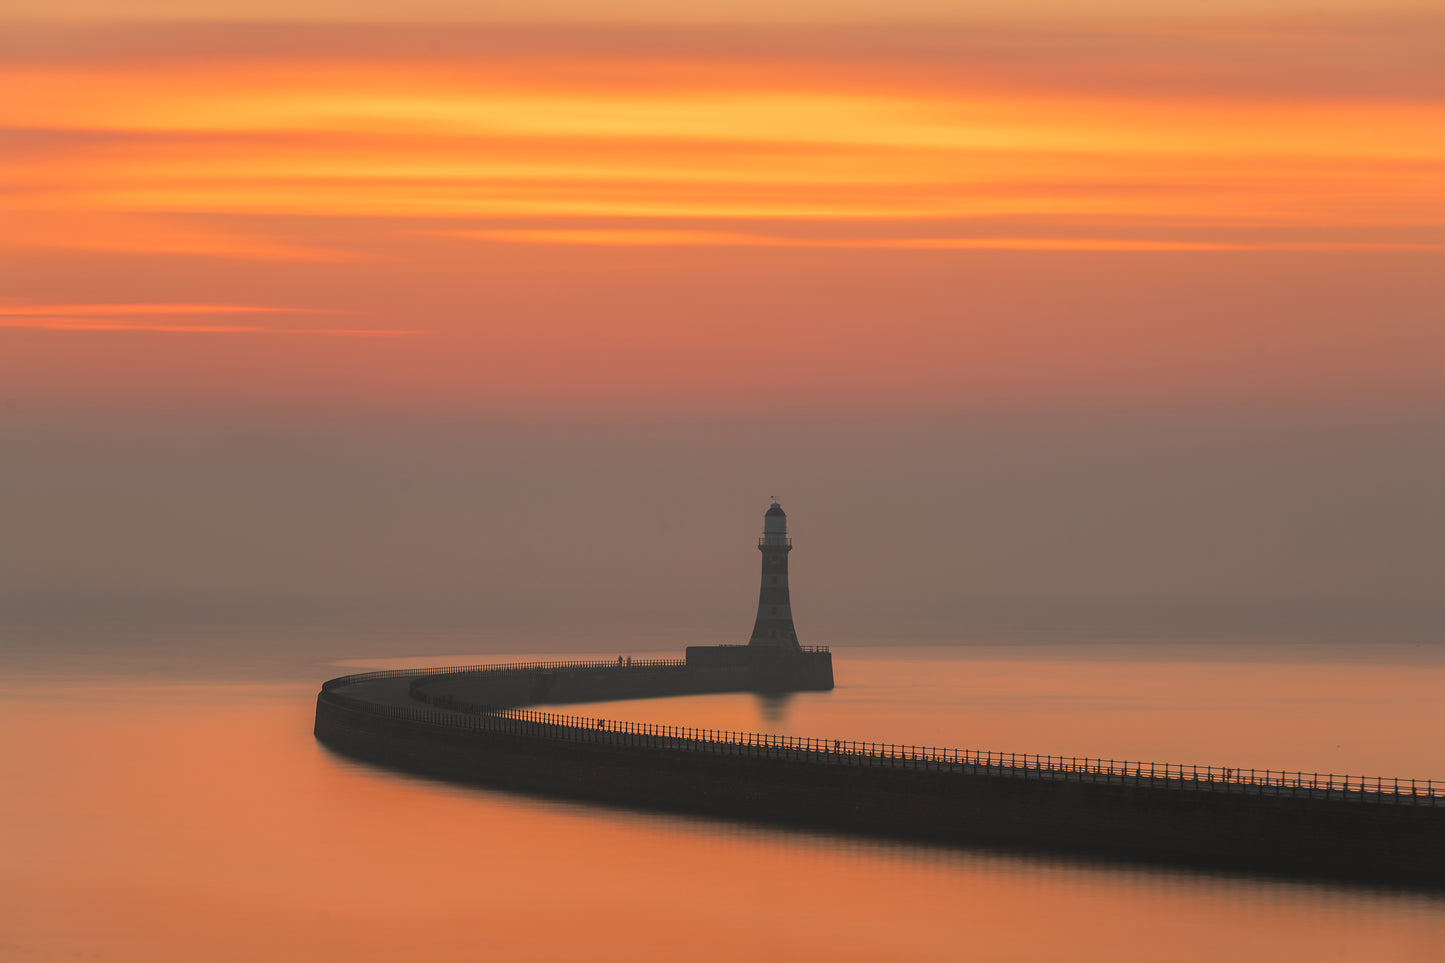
(776, 509)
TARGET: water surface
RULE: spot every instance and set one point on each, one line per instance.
(154, 817)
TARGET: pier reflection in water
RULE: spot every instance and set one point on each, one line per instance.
(199, 819)
(773, 709)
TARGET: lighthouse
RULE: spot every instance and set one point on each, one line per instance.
(774, 626)
(772, 661)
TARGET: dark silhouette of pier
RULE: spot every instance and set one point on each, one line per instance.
(422, 687)
(467, 724)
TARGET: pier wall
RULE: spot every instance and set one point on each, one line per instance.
(815, 785)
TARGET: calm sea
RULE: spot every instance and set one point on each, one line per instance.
(159, 805)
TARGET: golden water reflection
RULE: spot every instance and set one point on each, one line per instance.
(155, 823)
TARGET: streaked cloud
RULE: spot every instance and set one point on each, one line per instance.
(92, 324)
(75, 223)
(788, 12)
(60, 310)
(685, 238)
(615, 127)
(167, 319)
(1125, 209)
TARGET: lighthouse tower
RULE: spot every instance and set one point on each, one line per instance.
(774, 626)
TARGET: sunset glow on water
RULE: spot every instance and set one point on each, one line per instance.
(166, 821)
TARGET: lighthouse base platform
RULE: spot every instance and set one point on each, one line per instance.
(707, 669)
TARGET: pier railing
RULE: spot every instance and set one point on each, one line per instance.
(446, 712)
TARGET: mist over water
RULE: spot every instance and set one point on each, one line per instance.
(1041, 527)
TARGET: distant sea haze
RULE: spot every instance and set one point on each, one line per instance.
(1046, 527)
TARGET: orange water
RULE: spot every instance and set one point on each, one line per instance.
(186, 820)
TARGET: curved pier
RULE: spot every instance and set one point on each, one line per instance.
(472, 724)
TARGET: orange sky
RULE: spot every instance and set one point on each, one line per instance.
(552, 216)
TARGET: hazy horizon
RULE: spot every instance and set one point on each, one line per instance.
(919, 529)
